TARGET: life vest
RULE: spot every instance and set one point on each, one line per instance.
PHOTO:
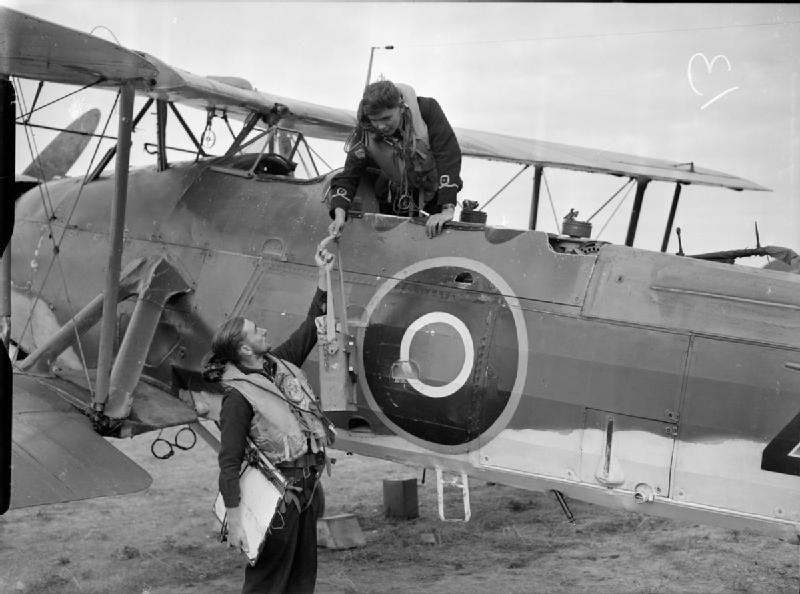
(408, 163)
(286, 418)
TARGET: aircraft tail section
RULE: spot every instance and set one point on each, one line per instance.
(60, 155)
(56, 455)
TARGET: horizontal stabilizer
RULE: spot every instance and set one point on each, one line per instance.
(56, 455)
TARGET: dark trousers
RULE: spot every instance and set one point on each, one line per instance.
(288, 562)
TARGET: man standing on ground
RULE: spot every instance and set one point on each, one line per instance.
(267, 398)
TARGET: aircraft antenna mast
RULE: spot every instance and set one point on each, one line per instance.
(371, 55)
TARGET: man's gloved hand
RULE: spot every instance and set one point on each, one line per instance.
(324, 260)
(435, 223)
(322, 256)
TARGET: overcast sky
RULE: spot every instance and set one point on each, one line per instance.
(632, 78)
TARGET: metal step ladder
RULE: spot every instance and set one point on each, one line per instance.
(459, 482)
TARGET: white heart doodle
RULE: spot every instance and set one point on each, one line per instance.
(709, 68)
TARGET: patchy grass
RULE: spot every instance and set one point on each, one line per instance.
(165, 541)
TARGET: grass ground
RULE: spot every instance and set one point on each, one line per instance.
(165, 541)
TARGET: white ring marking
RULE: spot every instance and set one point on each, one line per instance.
(522, 343)
(466, 340)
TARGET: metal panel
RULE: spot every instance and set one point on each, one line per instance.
(551, 447)
(524, 259)
(240, 215)
(739, 397)
(575, 363)
(588, 363)
(640, 451)
(685, 294)
(280, 297)
(222, 280)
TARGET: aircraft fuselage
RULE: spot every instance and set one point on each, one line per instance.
(600, 372)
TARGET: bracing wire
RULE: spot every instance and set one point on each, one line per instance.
(33, 149)
(57, 252)
(27, 115)
(622, 187)
(57, 242)
(45, 198)
(318, 156)
(77, 198)
(508, 183)
(614, 212)
(550, 198)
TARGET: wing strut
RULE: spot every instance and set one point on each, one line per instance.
(671, 218)
(7, 148)
(161, 282)
(641, 186)
(113, 150)
(537, 185)
(161, 131)
(188, 130)
(87, 317)
(108, 324)
(154, 281)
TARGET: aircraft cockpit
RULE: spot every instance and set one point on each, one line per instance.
(267, 154)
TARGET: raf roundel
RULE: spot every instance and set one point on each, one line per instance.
(444, 353)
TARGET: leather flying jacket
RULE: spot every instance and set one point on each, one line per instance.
(407, 162)
(434, 149)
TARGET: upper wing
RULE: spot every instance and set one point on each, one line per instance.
(38, 49)
(564, 156)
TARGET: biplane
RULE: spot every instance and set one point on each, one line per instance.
(662, 383)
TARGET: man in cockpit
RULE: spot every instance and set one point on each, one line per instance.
(410, 140)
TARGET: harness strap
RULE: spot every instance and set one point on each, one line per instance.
(305, 461)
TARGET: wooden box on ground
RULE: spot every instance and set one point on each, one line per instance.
(340, 532)
(400, 499)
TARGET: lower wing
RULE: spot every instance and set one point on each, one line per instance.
(56, 455)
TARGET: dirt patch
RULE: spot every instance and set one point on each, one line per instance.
(165, 541)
